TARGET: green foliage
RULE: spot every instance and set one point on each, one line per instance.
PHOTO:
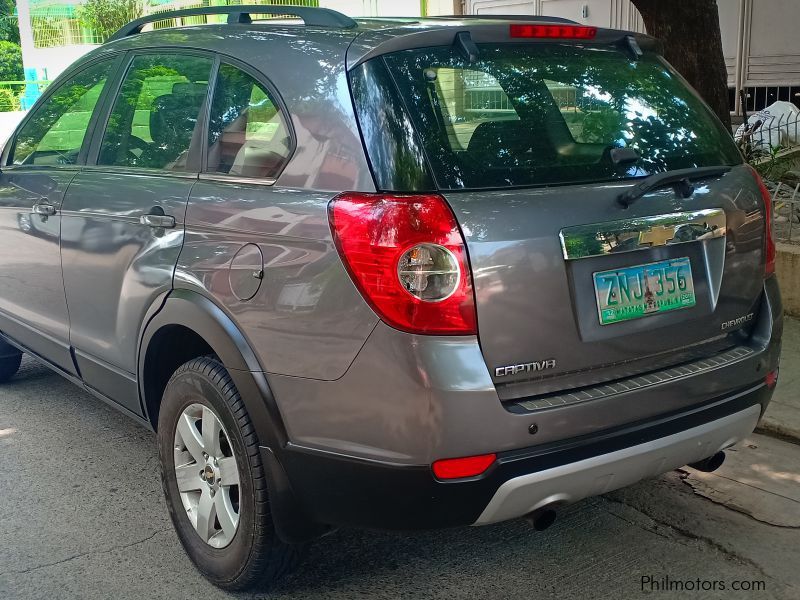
(9, 28)
(8, 100)
(602, 126)
(11, 62)
(773, 165)
(106, 16)
(771, 162)
(584, 246)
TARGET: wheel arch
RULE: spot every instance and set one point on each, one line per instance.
(193, 323)
(186, 318)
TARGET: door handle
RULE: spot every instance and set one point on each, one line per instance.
(46, 210)
(165, 221)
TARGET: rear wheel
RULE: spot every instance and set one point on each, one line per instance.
(10, 359)
(214, 481)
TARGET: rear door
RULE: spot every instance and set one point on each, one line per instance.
(532, 145)
(122, 218)
(43, 158)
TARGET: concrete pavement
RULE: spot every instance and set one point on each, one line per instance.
(83, 517)
(783, 415)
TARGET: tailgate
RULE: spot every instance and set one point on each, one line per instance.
(533, 268)
(532, 143)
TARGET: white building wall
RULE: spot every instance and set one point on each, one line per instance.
(374, 8)
(444, 7)
(50, 62)
(730, 23)
(501, 7)
(772, 43)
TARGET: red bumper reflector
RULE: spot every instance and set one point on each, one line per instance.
(457, 468)
(771, 379)
(565, 32)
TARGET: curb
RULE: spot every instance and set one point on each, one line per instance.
(787, 269)
(775, 430)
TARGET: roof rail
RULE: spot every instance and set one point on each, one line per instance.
(528, 18)
(311, 16)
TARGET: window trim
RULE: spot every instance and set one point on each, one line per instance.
(263, 80)
(114, 59)
(234, 179)
(193, 159)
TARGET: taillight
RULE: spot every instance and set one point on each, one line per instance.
(408, 259)
(770, 251)
(567, 32)
(458, 468)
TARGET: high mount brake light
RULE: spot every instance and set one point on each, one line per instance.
(564, 32)
(770, 252)
(408, 259)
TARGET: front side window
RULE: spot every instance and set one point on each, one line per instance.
(543, 114)
(156, 112)
(55, 132)
(248, 135)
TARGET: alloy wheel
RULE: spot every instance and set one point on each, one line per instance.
(207, 475)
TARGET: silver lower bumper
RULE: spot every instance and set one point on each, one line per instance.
(601, 474)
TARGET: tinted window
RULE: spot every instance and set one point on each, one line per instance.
(156, 113)
(247, 135)
(548, 114)
(55, 132)
(395, 152)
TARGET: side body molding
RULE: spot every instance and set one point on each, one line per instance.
(203, 317)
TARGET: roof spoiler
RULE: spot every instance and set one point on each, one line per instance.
(466, 36)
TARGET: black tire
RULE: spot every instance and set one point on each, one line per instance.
(9, 362)
(255, 557)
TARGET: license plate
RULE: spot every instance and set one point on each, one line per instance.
(643, 290)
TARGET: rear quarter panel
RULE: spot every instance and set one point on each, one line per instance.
(306, 318)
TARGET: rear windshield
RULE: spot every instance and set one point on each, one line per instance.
(544, 114)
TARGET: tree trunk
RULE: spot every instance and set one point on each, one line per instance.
(693, 44)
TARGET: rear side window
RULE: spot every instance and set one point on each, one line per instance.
(54, 134)
(156, 113)
(247, 135)
(543, 114)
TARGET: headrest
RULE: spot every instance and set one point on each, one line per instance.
(174, 115)
(496, 140)
(189, 88)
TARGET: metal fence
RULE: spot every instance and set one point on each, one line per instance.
(769, 136)
(786, 213)
(771, 144)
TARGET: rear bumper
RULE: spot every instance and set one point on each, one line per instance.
(600, 474)
(341, 490)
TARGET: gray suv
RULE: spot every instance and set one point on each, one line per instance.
(388, 273)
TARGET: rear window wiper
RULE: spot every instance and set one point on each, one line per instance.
(681, 179)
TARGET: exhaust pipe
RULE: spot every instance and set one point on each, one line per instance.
(542, 518)
(712, 463)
